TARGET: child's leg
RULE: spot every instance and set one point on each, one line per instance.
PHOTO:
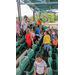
(47, 48)
(44, 48)
(17, 35)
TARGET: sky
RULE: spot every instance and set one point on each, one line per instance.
(25, 10)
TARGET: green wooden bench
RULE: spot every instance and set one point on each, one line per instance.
(24, 61)
(50, 53)
(55, 67)
(34, 46)
(18, 48)
(49, 71)
(37, 43)
(50, 44)
(50, 61)
(18, 71)
(50, 48)
(30, 53)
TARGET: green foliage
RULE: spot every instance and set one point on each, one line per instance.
(46, 17)
(17, 18)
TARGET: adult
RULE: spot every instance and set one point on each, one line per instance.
(29, 21)
(17, 28)
(24, 25)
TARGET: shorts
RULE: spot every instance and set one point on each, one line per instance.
(39, 74)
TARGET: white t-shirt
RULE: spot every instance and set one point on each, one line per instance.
(40, 66)
(24, 23)
(33, 34)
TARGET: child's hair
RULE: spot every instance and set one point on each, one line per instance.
(25, 16)
(38, 55)
(31, 25)
(27, 30)
(38, 26)
(46, 32)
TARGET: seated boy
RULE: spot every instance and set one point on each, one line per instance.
(40, 66)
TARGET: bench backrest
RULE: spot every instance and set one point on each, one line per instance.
(18, 71)
(30, 53)
(50, 61)
(49, 71)
(24, 61)
(50, 53)
(34, 46)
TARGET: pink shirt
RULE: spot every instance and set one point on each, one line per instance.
(17, 26)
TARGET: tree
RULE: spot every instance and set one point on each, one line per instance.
(46, 17)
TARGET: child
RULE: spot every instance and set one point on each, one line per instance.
(37, 32)
(33, 36)
(43, 32)
(46, 42)
(28, 39)
(55, 42)
(40, 66)
(31, 32)
(31, 25)
(34, 22)
(49, 30)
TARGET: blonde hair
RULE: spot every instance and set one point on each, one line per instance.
(27, 30)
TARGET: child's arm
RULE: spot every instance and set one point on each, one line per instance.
(34, 70)
(18, 33)
(45, 70)
(31, 39)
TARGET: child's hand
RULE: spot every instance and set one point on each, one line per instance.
(33, 42)
(19, 35)
(42, 44)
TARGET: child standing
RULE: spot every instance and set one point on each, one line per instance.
(46, 42)
(28, 39)
(40, 66)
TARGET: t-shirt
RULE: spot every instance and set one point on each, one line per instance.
(52, 35)
(33, 23)
(46, 39)
(17, 28)
(40, 66)
(37, 31)
(55, 42)
(33, 34)
(24, 23)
